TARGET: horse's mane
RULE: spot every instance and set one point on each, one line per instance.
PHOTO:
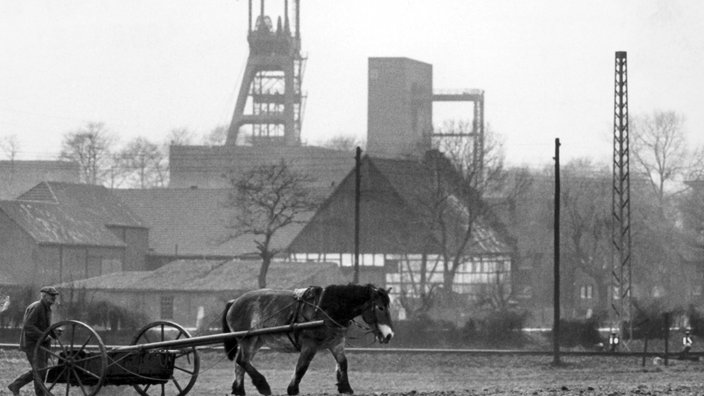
(343, 302)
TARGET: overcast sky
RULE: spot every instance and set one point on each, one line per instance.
(144, 67)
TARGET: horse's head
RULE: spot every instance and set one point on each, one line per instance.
(378, 316)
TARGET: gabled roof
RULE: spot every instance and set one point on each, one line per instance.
(415, 184)
(52, 223)
(98, 201)
(70, 214)
(193, 222)
(214, 276)
(400, 189)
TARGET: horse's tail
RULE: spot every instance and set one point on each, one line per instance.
(230, 342)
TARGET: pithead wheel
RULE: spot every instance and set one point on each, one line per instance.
(186, 364)
(77, 362)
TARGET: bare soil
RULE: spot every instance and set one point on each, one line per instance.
(439, 375)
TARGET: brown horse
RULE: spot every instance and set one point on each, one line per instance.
(337, 305)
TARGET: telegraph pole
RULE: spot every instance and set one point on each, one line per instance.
(556, 269)
(357, 199)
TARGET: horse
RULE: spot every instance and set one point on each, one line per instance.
(336, 305)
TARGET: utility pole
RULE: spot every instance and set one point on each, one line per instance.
(357, 199)
(556, 267)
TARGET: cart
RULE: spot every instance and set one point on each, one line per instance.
(162, 359)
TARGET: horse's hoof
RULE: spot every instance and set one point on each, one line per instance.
(292, 390)
(345, 389)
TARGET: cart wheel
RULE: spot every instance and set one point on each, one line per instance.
(186, 365)
(78, 360)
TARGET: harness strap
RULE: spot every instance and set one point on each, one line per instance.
(300, 298)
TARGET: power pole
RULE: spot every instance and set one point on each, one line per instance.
(357, 199)
(621, 204)
(556, 264)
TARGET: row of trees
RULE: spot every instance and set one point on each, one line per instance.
(138, 163)
(666, 215)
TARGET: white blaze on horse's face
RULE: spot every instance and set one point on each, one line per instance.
(386, 333)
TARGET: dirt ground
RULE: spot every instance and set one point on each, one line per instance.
(440, 374)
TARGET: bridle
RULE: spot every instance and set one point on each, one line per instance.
(371, 306)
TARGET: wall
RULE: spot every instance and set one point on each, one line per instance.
(19, 253)
(205, 166)
(137, 241)
(61, 263)
(399, 107)
(148, 303)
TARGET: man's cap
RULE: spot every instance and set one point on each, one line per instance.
(49, 290)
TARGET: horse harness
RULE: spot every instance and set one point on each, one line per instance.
(312, 295)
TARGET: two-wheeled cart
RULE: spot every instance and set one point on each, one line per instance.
(162, 359)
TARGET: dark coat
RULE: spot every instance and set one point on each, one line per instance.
(37, 318)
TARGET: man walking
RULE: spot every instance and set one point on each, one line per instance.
(37, 319)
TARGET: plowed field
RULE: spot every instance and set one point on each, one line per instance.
(445, 374)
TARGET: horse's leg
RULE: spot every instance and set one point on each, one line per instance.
(238, 382)
(343, 383)
(248, 348)
(307, 354)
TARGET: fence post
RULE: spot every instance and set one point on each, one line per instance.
(667, 335)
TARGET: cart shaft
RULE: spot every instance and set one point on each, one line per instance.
(218, 338)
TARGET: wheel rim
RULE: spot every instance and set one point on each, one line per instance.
(186, 364)
(76, 365)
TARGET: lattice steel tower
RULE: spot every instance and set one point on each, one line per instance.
(270, 103)
(621, 201)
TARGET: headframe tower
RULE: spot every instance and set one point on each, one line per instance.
(270, 104)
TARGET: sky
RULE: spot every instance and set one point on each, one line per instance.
(145, 67)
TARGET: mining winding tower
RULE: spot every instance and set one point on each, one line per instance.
(270, 103)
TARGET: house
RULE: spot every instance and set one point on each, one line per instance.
(59, 232)
(188, 291)
(190, 223)
(397, 234)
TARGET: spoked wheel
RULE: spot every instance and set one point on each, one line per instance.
(186, 364)
(76, 365)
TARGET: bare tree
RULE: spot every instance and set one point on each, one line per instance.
(266, 199)
(343, 143)
(586, 225)
(217, 136)
(179, 137)
(660, 149)
(458, 205)
(90, 147)
(452, 209)
(117, 174)
(144, 162)
(10, 145)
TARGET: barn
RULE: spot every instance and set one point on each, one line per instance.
(58, 232)
(399, 244)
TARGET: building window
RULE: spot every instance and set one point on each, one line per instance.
(167, 307)
(586, 292)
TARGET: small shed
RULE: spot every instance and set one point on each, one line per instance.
(193, 293)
